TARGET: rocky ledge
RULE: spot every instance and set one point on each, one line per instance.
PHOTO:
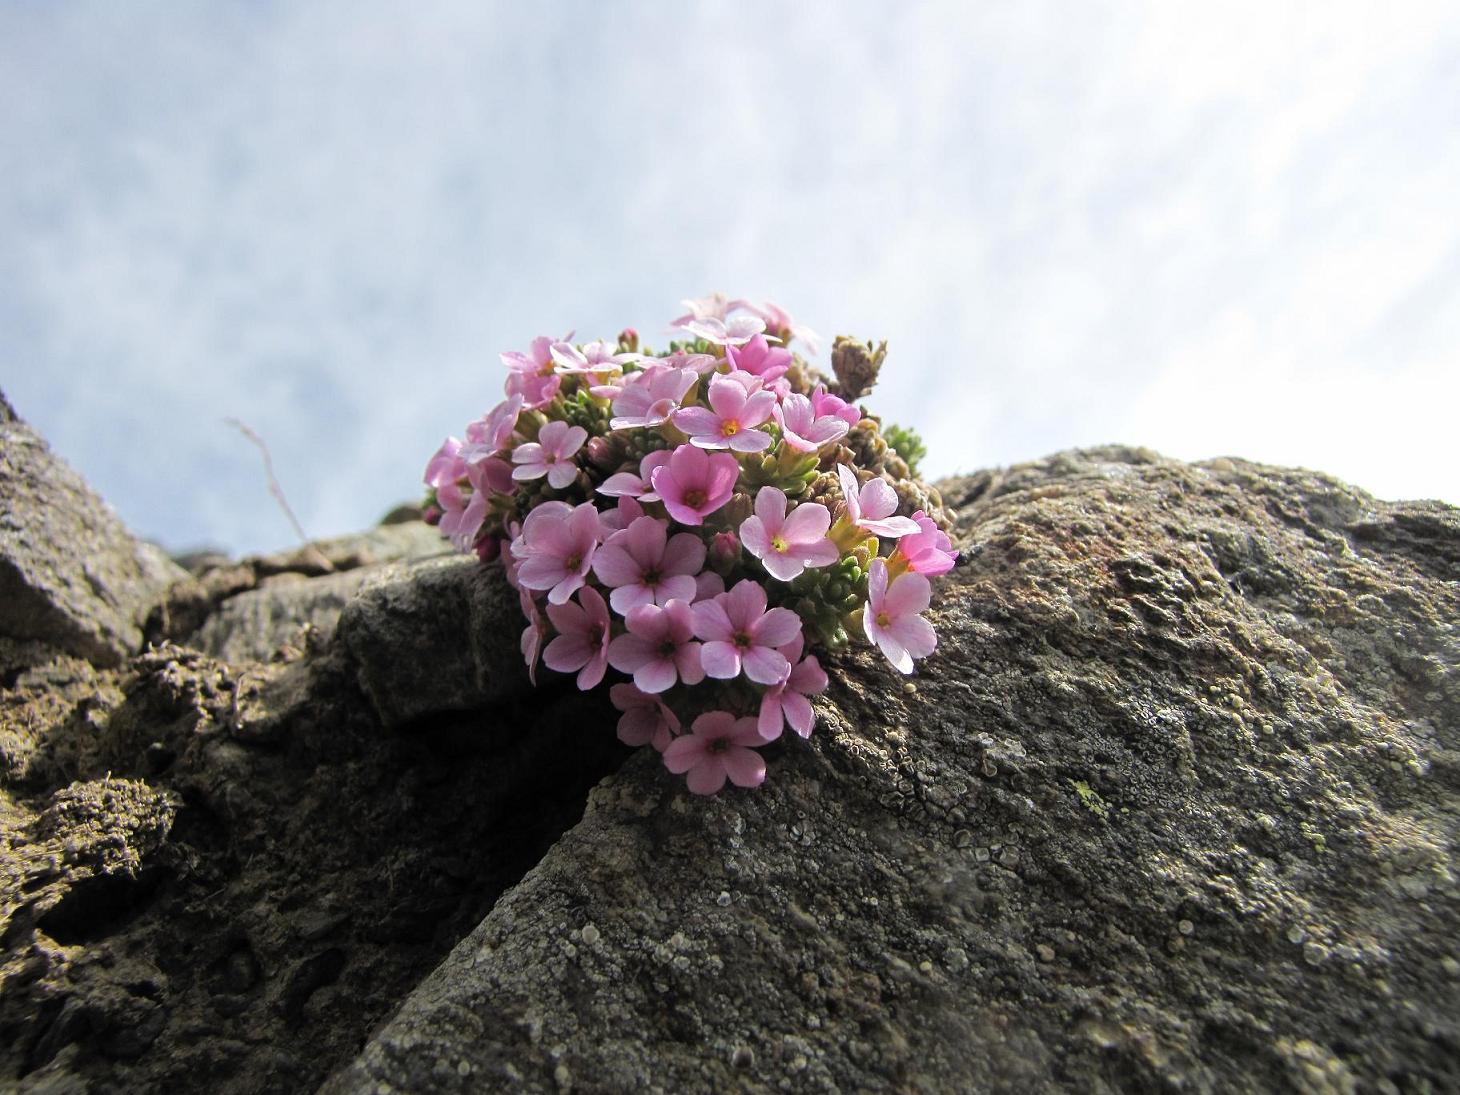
(1174, 806)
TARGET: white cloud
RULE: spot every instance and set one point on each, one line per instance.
(1208, 229)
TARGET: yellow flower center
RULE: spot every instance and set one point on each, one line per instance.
(778, 545)
(883, 620)
(730, 427)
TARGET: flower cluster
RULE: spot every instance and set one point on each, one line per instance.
(697, 520)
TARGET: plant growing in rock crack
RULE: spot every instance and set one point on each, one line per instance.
(702, 521)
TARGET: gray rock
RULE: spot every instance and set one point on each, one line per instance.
(1174, 806)
(254, 625)
(434, 636)
(392, 543)
(71, 576)
(248, 609)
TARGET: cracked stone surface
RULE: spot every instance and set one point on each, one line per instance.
(72, 578)
(1174, 806)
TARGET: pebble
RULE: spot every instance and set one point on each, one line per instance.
(1451, 966)
(743, 1057)
(590, 934)
(1314, 952)
(981, 854)
(962, 839)
(724, 899)
(1185, 927)
(1046, 952)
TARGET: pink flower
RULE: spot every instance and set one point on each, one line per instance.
(625, 514)
(534, 377)
(717, 745)
(803, 429)
(658, 649)
(759, 358)
(872, 507)
(740, 634)
(493, 432)
(730, 420)
(464, 508)
(627, 484)
(582, 640)
(890, 616)
(708, 585)
(650, 398)
(779, 321)
(725, 332)
(556, 548)
(700, 364)
(531, 634)
(787, 701)
(694, 483)
(509, 559)
(446, 466)
(644, 566)
(928, 550)
(824, 403)
(551, 454)
(646, 720)
(594, 357)
(714, 306)
(788, 545)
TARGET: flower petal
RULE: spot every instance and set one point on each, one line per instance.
(706, 777)
(907, 596)
(777, 627)
(655, 675)
(745, 767)
(684, 753)
(721, 660)
(764, 665)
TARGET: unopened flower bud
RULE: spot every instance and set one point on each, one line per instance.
(738, 508)
(628, 341)
(529, 423)
(488, 548)
(431, 514)
(724, 552)
(603, 453)
(862, 555)
(856, 366)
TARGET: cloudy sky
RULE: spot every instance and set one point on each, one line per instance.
(1211, 229)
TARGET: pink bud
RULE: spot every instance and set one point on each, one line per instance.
(601, 453)
(431, 515)
(488, 548)
(724, 551)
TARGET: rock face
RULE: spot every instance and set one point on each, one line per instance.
(1174, 806)
(294, 593)
(71, 576)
